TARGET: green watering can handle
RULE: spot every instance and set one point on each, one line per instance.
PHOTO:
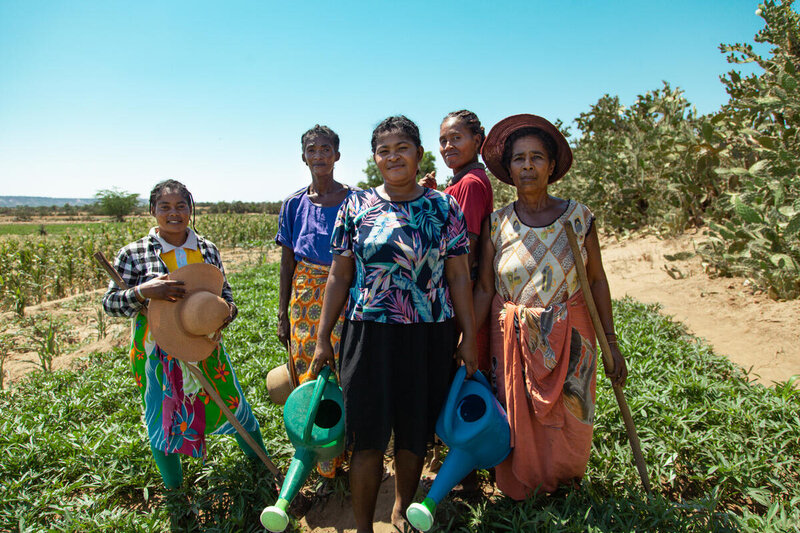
(319, 388)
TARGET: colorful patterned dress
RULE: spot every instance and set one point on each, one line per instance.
(542, 351)
(178, 413)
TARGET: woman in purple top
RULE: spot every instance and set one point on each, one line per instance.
(304, 233)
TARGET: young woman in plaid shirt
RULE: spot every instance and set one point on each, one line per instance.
(177, 411)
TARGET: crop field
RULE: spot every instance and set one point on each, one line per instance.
(723, 453)
(36, 268)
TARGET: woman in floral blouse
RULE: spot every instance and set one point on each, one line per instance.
(400, 255)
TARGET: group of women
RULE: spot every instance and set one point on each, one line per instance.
(394, 286)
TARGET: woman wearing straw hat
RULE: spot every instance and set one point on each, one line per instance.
(543, 353)
(178, 412)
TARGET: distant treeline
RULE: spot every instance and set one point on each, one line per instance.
(26, 212)
(269, 208)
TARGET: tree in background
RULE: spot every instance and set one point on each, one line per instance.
(428, 164)
(116, 203)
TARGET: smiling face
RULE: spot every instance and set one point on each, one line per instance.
(458, 146)
(172, 212)
(530, 167)
(397, 158)
(320, 155)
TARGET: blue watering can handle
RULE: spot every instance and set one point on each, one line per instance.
(319, 388)
(451, 398)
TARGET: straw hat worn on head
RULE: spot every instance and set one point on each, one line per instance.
(492, 151)
(188, 329)
(279, 384)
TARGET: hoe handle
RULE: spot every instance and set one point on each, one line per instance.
(608, 362)
(110, 270)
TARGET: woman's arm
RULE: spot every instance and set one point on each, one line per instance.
(602, 299)
(484, 290)
(337, 290)
(288, 264)
(456, 270)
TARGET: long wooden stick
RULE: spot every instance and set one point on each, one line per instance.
(112, 272)
(234, 422)
(608, 362)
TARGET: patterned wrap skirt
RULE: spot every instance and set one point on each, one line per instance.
(178, 413)
(305, 310)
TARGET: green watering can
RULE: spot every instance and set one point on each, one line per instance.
(314, 420)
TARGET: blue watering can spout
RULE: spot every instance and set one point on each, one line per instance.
(475, 427)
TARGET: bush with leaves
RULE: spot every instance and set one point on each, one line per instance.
(757, 232)
(644, 165)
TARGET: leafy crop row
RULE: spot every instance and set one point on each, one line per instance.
(723, 453)
(34, 269)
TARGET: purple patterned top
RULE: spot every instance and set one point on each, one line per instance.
(306, 228)
(400, 249)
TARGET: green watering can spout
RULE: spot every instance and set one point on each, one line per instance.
(314, 421)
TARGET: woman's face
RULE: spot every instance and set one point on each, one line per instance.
(530, 167)
(172, 213)
(397, 158)
(458, 146)
(320, 156)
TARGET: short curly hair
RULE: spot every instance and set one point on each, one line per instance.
(397, 124)
(320, 131)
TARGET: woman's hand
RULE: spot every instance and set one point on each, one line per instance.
(467, 353)
(323, 355)
(429, 180)
(284, 329)
(161, 288)
(620, 373)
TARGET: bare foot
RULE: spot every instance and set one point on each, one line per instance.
(400, 523)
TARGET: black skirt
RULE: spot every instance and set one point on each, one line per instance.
(395, 378)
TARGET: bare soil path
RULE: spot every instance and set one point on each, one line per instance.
(758, 333)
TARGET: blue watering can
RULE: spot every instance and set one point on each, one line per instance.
(314, 420)
(475, 427)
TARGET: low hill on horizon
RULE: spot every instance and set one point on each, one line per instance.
(39, 201)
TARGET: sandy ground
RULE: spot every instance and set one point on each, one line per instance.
(758, 333)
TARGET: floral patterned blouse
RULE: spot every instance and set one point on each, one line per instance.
(399, 250)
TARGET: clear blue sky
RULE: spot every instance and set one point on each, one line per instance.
(104, 94)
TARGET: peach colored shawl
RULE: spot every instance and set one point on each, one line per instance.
(546, 379)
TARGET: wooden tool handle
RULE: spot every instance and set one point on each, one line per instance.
(110, 270)
(608, 361)
(235, 422)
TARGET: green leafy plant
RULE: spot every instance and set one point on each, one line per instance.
(694, 411)
(47, 338)
(757, 231)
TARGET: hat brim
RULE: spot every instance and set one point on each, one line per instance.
(492, 150)
(279, 384)
(163, 317)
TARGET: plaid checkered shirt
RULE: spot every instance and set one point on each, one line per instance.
(139, 262)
